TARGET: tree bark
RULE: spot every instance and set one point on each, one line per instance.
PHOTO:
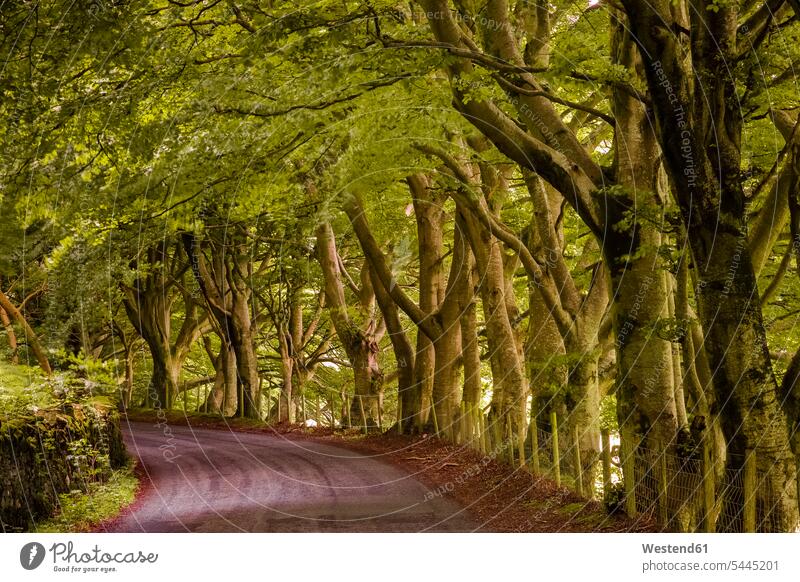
(148, 310)
(790, 387)
(441, 326)
(645, 397)
(30, 336)
(447, 346)
(407, 391)
(429, 217)
(12, 336)
(769, 223)
(224, 281)
(508, 377)
(359, 344)
(285, 410)
(704, 160)
(470, 346)
(222, 398)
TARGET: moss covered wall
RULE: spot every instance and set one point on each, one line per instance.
(54, 451)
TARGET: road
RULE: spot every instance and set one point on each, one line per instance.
(220, 481)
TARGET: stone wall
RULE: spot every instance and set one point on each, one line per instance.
(52, 451)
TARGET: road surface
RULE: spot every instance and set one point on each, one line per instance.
(219, 481)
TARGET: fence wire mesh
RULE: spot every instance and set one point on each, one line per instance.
(689, 491)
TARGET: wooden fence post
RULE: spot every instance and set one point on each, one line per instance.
(476, 427)
(663, 491)
(317, 412)
(749, 521)
(606, 444)
(472, 429)
(380, 416)
(521, 446)
(709, 504)
(399, 413)
(481, 430)
(797, 475)
(509, 443)
(556, 452)
(535, 448)
(347, 411)
(627, 454)
(497, 438)
(469, 427)
(462, 424)
(576, 442)
(363, 414)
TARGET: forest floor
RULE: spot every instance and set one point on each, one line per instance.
(501, 498)
(81, 511)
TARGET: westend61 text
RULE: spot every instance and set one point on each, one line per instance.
(675, 549)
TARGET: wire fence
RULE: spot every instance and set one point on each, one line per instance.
(699, 493)
(686, 489)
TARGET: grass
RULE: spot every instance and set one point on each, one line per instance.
(81, 511)
(197, 419)
(21, 386)
(16, 377)
(24, 389)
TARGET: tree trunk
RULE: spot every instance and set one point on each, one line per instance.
(508, 378)
(563, 361)
(704, 161)
(166, 377)
(445, 338)
(223, 397)
(448, 345)
(359, 344)
(407, 392)
(429, 216)
(424, 369)
(677, 369)
(225, 281)
(646, 407)
(285, 410)
(582, 400)
(30, 337)
(470, 346)
(128, 391)
(696, 388)
(149, 305)
(645, 398)
(545, 360)
(246, 362)
(368, 379)
(12, 336)
(148, 311)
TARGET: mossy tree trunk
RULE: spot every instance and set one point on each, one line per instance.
(699, 96)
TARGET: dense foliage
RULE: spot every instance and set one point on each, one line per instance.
(394, 214)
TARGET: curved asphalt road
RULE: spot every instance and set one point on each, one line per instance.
(218, 481)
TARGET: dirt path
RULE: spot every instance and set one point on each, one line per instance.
(215, 481)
